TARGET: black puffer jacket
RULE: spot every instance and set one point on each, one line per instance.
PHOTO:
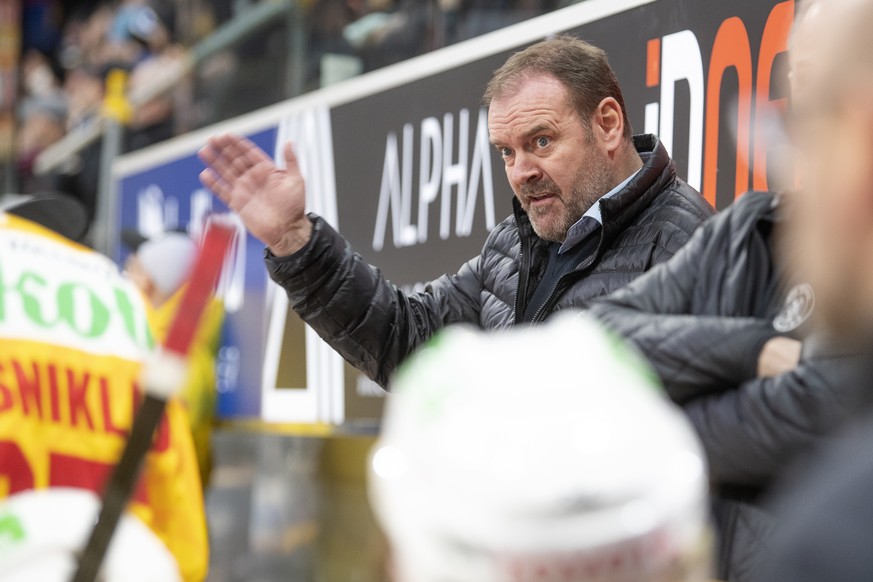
(702, 319)
(375, 326)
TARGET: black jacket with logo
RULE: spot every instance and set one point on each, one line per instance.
(702, 319)
(375, 326)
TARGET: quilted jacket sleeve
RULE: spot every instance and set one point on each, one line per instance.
(369, 321)
(693, 355)
(752, 433)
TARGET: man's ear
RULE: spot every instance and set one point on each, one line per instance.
(608, 123)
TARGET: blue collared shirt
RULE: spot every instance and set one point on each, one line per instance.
(591, 220)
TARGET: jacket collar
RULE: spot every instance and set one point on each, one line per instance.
(621, 209)
(657, 172)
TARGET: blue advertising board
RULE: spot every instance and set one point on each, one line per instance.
(169, 196)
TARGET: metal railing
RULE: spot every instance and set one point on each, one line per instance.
(109, 124)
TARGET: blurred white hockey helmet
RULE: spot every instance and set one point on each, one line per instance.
(42, 531)
(538, 454)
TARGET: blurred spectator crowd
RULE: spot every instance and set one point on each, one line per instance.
(63, 72)
(64, 89)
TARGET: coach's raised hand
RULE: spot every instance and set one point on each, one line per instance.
(269, 200)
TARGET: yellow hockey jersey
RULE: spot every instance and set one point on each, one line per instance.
(73, 334)
(198, 394)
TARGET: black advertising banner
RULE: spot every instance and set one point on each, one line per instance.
(399, 160)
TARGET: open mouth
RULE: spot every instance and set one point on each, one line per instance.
(540, 198)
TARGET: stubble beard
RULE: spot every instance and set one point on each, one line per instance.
(590, 183)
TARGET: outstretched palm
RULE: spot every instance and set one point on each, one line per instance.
(269, 200)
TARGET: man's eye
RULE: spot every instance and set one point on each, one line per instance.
(543, 141)
(505, 152)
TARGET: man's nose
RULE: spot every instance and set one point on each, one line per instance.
(525, 169)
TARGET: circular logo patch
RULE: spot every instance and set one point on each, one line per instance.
(797, 308)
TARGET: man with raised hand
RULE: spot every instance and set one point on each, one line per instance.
(594, 208)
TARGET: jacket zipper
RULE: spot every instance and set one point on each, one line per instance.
(523, 271)
(540, 315)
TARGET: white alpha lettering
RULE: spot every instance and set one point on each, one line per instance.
(453, 174)
(389, 193)
(439, 174)
(481, 164)
(429, 171)
(407, 230)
